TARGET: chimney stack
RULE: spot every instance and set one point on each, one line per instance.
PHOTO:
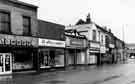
(110, 30)
(88, 19)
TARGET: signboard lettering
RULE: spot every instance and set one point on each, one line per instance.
(1, 41)
(7, 41)
(23, 43)
(16, 40)
(75, 42)
(13, 42)
(52, 43)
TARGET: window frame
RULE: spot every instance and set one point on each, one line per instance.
(28, 26)
(102, 39)
(94, 35)
(6, 22)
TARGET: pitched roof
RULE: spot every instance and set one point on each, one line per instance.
(80, 22)
(74, 33)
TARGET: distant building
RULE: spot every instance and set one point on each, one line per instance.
(76, 48)
(130, 49)
(91, 32)
(102, 43)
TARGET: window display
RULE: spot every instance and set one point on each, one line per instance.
(51, 58)
(22, 59)
(92, 59)
(70, 54)
(59, 58)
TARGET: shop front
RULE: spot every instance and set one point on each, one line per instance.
(94, 53)
(75, 51)
(103, 56)
(51, 53)
(111, 53)
(17, 51)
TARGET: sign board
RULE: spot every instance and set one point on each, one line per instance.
(94, 45)
(92, 51)
(75, 42)
(111, 45)
(17, 40)
(103, 50)
(51, 43)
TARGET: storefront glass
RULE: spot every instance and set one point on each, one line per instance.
(51, 58)
(80, 57)
(92, 59)
(22, 59)
(70, 54)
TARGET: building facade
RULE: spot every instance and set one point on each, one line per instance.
(18, 28)
(91, 32)
(119, 49)
(76, 47)
(130, 50)
(51, 45)
(102, 39)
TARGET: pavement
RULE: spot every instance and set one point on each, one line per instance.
(121, 73)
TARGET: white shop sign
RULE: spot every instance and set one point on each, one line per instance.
(103, 50)
(50, 43)
(17, 40)
(94, 45)
(111, 45)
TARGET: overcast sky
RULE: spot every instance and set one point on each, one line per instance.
(118, 15)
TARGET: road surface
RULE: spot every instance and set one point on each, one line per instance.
(106, 74)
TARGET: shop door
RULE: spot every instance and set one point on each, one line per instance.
(5, 63)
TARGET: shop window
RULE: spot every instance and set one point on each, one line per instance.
(59, 58)
(94, 35)
(71, 55)
(22, 59)
(4, 22)
(26, 25)
(52, 58)
(107, 41)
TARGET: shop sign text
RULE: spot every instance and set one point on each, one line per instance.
(51, 43)
(111, 45)
(75, 42)
(16, 40)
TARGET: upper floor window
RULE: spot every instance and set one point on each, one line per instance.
(107, 41)
(102, 39)
(94, 35)
(26, 25)
(99, 35)
(4, 22)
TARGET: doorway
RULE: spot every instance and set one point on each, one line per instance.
(5, 63)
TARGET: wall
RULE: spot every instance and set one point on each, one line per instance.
(50, 30)
(102, 43)
(86, 29)
(16, 14)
